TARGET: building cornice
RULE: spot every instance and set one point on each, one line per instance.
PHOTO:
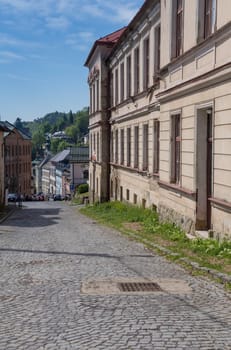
(204, 81)
(136, 113)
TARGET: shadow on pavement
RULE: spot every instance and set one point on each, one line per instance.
(101, 255)
(31, 217)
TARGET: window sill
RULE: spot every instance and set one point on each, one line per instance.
(178, 189)
(221, 203)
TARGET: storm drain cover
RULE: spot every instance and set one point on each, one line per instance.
(139, 287)
(134, 286)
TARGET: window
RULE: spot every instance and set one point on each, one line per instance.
(157, 50)
(122, 146)
(128, 146)
(112, 147)
(127, 195)
(129, 76)
(85, 174)
(156, 159)
(146, 63)
(121, 193)
(135, 198)
(116, 146)
(91, 145)
(176, 149)
(177, 28)
(116, 87)
(136, 70)
(136, 147)
(97, 95)
(122, 82)
(91, 99)
(206, 18)
(97, 147)
(145, 147)
(111, 188)
(94, 144)
(112, 89)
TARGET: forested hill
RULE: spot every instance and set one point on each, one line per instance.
(56, 121)
(75, 126)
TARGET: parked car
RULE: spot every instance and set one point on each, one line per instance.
(12, 197)
(40, 197)
(58, 197)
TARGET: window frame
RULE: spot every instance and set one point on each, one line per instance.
(156, 147)
(146, 62)
(177, 28)
(128, 76)
(136, 70)
(136, 146)
(176, 141)
(145, 162)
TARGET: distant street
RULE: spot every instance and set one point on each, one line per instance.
(59, 278)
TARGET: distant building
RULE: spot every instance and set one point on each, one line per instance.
(17, 161)
(62, 173)
(3, 129)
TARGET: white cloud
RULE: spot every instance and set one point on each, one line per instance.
(57, 22)
(119, 11)
(79, 40)
(8, 40)
(11, 55)
(17, 77)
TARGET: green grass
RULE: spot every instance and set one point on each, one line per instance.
(145, 227)
(78, 199)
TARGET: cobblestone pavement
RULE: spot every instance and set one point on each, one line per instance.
(48, 249)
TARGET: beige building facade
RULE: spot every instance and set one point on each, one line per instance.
(160, 132)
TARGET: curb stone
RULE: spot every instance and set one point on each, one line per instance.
(224, 278)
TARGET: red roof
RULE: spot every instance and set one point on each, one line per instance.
(110, 40)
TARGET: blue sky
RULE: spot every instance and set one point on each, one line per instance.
(43, 47)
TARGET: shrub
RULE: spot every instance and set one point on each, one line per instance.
(82, 188)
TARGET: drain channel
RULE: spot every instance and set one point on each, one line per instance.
(139, 287)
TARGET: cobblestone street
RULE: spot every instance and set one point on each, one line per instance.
(48, 251)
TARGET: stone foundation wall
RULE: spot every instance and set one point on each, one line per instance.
(167, 214)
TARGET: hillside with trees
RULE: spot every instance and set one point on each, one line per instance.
(73, 125)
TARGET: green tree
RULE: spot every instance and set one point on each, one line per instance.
(73, 132)
(62, 145)
(38, 140)
(54, 145)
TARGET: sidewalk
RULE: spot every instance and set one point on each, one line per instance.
(6, 212)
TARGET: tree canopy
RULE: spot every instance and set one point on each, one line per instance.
(75, 125)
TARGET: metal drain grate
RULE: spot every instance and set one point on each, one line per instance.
(139, 287)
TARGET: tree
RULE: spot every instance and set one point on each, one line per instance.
(62, 145)
(73, 132)
(54, 145)
(38, 140)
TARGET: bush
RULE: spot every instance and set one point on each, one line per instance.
(82, 188)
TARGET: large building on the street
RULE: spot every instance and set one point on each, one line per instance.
(160, 106)
(3, 129)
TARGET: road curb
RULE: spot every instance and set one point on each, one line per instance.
(224, 278)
